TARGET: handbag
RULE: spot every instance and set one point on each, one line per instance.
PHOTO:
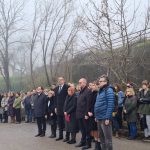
(67, 118)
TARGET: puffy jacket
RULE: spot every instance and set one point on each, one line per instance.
(104, 105)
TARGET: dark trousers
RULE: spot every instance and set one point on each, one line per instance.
(33, 115)
(5, 116)
(18, 115)
(119, 117)
(133, 129)
(41, 123)
(67, 135)
(29, 114)
(1, 118)
(53, 128)
(73, 136)
(61, 125)
(105, 134)
(85, 131)
(115, 124)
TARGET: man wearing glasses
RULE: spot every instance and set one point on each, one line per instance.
(104, 107)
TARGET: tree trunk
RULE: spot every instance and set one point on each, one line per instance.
(46, 73)
(6, 66)
(31, 70)
(6, 74)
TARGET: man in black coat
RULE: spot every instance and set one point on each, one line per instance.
(40, 107)
(82, 114)
(60, 95)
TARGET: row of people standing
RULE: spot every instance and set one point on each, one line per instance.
(128, 105)
(68, 109)
(10, 106)
(135, 108)
(17, 106)
(91, 109)
(86, 110)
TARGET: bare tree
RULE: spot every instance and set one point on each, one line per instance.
(36, 25)
(18, 63)
(55, 16)
(68, 51)
(10, 16)
(109, 29)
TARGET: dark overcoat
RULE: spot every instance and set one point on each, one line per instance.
(144, 103)
(60, 98)
(11, 110)
(70, 108)
(82, 103)
(51, 108)
(91, 104)
(131, 108)
(40, 105)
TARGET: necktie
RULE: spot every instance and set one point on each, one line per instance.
(59, 88)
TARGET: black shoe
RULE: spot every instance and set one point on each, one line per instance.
(146, 139)
(60, 138)
(52, 136)
(86, 147)
(39, 134)
(42, 135)
(131, 138)
(65, 140)
(81, 144)
(71, 142)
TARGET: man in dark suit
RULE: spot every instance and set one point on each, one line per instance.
(82, 114)
(40, 107)
(60, 95)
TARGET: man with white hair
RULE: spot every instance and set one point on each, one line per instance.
(82, 114)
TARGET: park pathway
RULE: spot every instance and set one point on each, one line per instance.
(21, 137)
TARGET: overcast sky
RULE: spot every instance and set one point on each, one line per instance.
(80, 4)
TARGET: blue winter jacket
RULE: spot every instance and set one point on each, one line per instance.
(105, 102)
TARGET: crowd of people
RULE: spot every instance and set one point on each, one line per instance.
(97, 110)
